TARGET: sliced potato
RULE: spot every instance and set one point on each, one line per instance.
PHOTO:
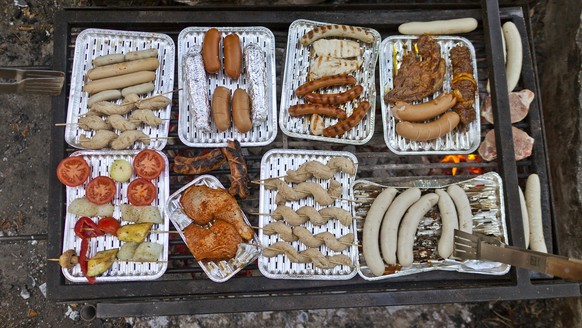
(136, 232)
(120, 170)
(147, 251)
(127, 250)
(82, 207)
(101, 262)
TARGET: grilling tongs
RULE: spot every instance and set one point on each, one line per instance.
(480, 247)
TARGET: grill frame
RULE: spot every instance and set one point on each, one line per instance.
(257, 293)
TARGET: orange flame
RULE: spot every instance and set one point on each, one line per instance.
(463, 158)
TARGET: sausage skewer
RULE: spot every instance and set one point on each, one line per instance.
(310, 255)
(290, 234)
(318, 170)
(299, 217)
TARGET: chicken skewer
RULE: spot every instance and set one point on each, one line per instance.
(309, 213)
(307, 238)
(318, 170)
(306, 189)
(310, 255)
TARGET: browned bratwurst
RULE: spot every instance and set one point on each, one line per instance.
(326, 81)
(232, 56)
(199, 164)
(349, 123)
(239, 178)
(210, 50)
(308, 109)
(335, 98)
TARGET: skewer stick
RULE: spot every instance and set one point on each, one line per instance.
(151, 231)
(66, 124)
(155, 261)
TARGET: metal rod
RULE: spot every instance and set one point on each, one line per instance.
(23, 237)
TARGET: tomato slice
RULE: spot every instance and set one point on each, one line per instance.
(73, 171)
(148, 164)
(141, 192)
(85, 228)
(100, 190)
(109, 225)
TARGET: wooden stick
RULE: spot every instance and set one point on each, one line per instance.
(65, 124)
(301, 215)
(156, 261)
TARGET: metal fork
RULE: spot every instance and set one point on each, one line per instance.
(479, 247)
(32, 81)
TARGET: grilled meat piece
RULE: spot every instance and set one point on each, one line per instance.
(239, 178)
(418, 78)
(218, 243)
(199, 164)
(203, 205)
(463, 84)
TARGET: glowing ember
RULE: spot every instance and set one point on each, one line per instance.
(471, 158)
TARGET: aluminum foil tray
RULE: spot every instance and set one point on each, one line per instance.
(275, 163)
(485, 194)
(99, 162)
(259, 135)
(93, 43)
(217, 271)
(455, 142)
(296, 69)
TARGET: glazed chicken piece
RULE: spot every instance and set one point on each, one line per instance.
(203, 205)
(418, 78)
(218, 243)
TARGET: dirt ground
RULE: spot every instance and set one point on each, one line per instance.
(26, 39)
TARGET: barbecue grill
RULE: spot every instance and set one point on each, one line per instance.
(184, 289)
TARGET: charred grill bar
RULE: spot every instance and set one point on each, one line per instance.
(178, 293)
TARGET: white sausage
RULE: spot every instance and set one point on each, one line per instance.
(524, 217)
(372, 230)
(463, 208)
(514, 55)
(391, 222)
(450, 26)
(108, 59)
(103, 96)
(409, 226)
(449, 224)
(534, 211)
(139, 89)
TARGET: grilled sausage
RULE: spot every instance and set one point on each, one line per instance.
(104, 96)
(423, 111)
(463, 207)
(449, 222)
(141, 54)
(199, 164)
(210, 50)
(335, 98)
(108, 60)
(148, 64)
(327, 81)
(409, 226)
(239, 178)
(428, 131)
(308, 109)
(241, 111)
(119, 82)
(139, 89)
(342, 127)
(344, 31)
(232, 56)
(221, 108)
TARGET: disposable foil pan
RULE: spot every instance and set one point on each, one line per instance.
(455, 142)
(260, 135)
(275, 163)
(296, 70)
(217, 271)
(485, 194)
(99, 162)
(92, 43)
